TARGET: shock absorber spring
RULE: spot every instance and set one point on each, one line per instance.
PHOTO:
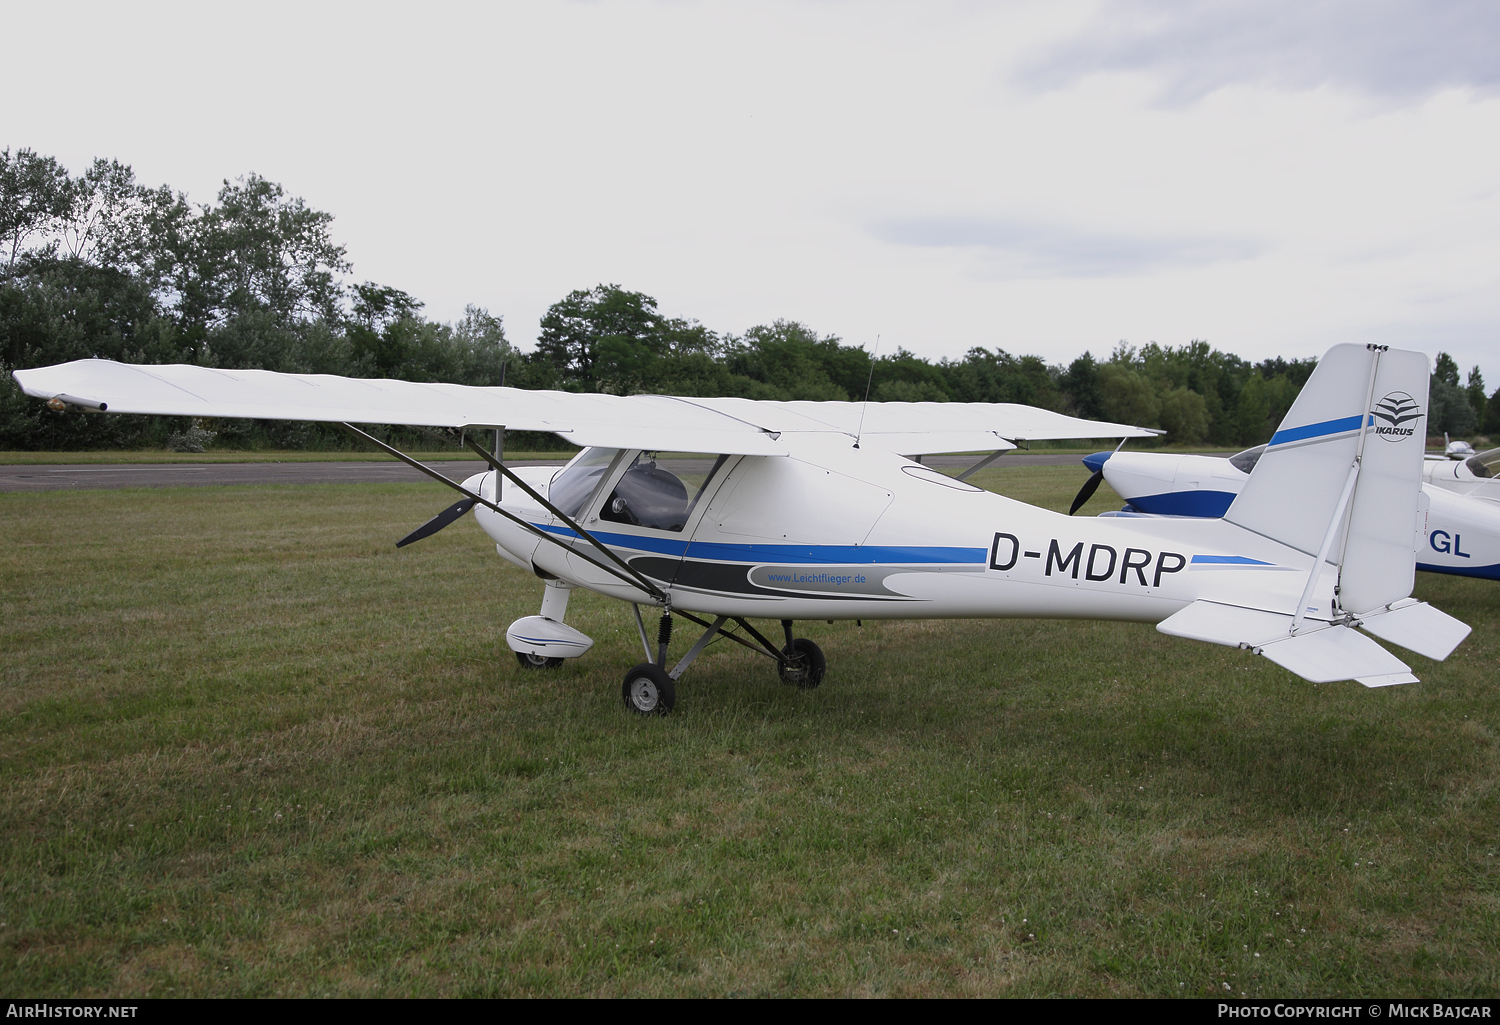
(663, 638)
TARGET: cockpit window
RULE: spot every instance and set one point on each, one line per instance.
(1245, 461)
(650, 495)
(574, 484)
(1485, 464)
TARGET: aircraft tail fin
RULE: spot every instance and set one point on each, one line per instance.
(1342, 476)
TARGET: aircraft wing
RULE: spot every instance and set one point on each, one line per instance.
(729, 425)
(637, 421)
(925, 428)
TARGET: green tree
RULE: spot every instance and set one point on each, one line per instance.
(787, 360)
(902, 390)
(1253, 412)
(372, 327)
(1296, 371)
(1080, 385)
(258, 250)
(791, 361)
(1445, 369)
(1126, 396)
(1476, 393)
(997, 376)
(1492, 414)
(605, 338)
(36, 197)
(1184, 416)
(1450, 411)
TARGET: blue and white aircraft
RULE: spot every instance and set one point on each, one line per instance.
(1461, 532)
(805, 510)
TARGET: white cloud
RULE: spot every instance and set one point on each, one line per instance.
(1020, 248)
(1402, 50)
(869, 168)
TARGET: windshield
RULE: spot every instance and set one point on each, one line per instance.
(1485, 464)
(574, 484)
(1245, 461)
(650, 495)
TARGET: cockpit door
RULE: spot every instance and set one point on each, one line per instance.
(645, 512)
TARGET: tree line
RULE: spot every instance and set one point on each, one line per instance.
(101, 265)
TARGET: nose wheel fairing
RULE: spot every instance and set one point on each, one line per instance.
(543, 641)
(546, 638)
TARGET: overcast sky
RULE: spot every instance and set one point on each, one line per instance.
(1271, 176)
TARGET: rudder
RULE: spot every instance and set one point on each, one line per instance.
(1364, 405)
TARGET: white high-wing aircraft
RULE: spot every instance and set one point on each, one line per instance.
(807, 511)
(1461, 535)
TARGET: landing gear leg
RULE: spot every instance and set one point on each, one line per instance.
(555, 600)
(648, 688)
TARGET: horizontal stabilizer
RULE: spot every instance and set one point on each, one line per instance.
(1231, 625)
(1419, 627)
(1338, 653)
(1387, 681)
(1320, 652)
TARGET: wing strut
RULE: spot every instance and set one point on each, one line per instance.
(639, 580)
(650, 588)
(987, 460)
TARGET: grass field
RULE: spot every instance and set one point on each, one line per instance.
(250, 748)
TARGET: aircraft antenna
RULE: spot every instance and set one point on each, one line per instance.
(859, 433)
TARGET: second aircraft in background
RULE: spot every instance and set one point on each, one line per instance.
(1461, 534)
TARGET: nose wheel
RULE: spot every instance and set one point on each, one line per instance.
(530, 661)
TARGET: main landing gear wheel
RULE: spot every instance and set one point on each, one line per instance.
(530, 661)
(804, 666)
(649, 690)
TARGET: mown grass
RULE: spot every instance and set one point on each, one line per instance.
(252, 749)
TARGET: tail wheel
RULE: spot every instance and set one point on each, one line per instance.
(530, 661)
(648, 690)
(804, 666)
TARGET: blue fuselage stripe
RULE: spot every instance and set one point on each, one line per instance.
(1348, 423)
(1483, 572)
(811, 554)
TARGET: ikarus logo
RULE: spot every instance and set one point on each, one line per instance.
(1395, 416)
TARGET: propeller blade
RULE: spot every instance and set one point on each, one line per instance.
(438, 522)
(1087, 491)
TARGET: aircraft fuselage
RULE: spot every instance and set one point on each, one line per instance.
(832, 532)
